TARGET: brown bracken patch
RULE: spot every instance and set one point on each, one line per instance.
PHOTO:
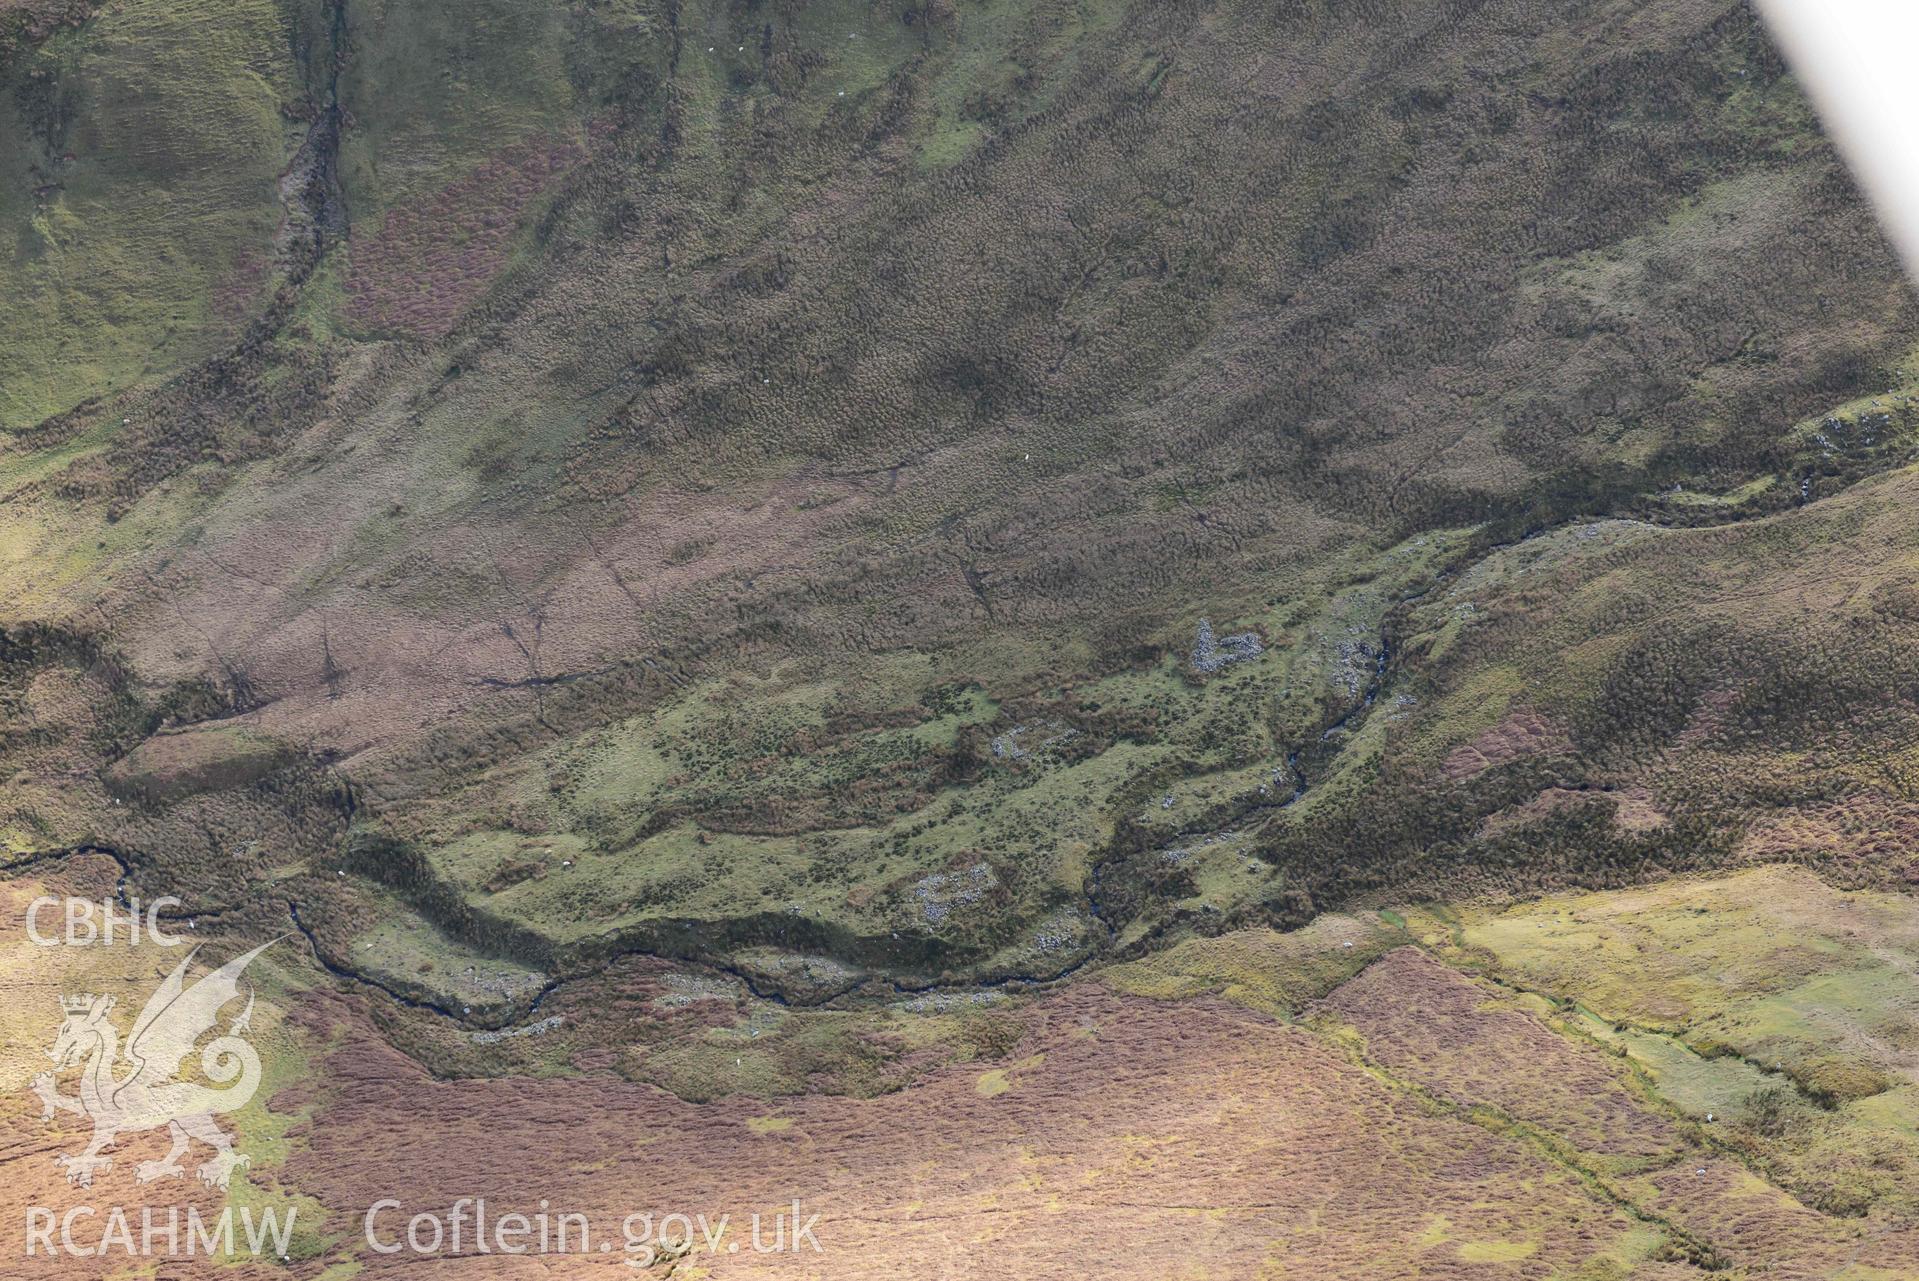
(1522, 733)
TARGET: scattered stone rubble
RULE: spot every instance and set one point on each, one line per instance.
(1063, 933)
(945, 1002)
(688, 988)
(1356, 659)
(546, 1024)
(1007, 746)
(504, 983)
(1215, 653)
(941, 892)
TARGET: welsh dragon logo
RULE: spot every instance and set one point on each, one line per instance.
(140, 1088)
